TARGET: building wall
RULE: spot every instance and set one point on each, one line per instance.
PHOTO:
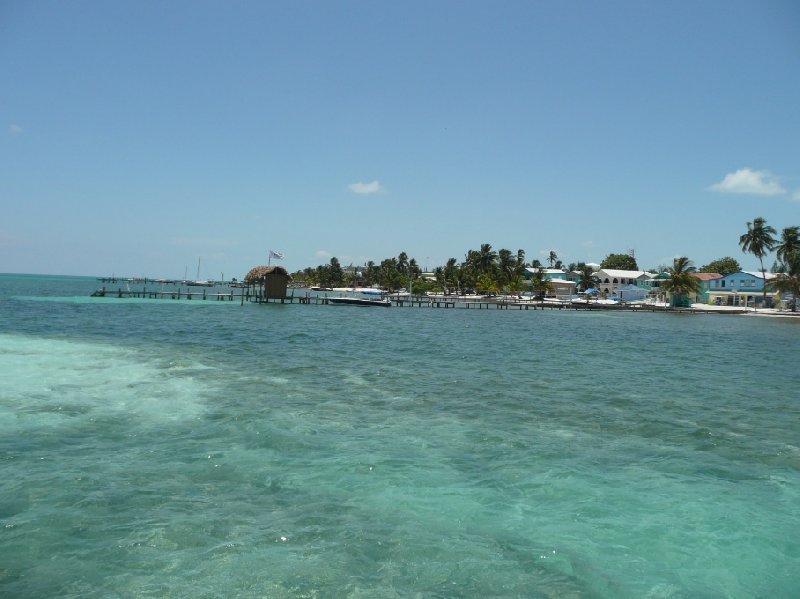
(738, 288)
(745, 282)
(275, 285)
(609, 281)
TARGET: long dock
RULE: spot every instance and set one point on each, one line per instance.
(161, 294)
(243, 295)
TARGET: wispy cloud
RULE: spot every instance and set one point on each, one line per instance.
(746, 180)
(365, 188)
(14, 129)
(796, 196)
(322, 254)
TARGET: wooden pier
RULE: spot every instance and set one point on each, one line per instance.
(161, 294)
(243, 295)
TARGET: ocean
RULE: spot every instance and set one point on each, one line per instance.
(165, 448)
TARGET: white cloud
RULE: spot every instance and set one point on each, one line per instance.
(364, 188)
(15, 129)
(746, 180)
(796, 196)
(322, 254)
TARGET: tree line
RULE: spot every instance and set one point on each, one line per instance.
(759, 240)
(503, 271)
(483, 270)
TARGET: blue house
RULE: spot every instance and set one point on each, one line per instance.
(742, 288)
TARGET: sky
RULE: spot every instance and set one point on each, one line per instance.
(140, 138)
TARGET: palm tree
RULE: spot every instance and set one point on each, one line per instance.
(487, 283)
(588, 278)
(486, 258)
(370, 274)
(402, 263)
(510, 268)
(515, 284)
(540, 285)
(441, 281)
(521, 257)
(788, 279)
(451, 274)
(552, 257)
(682, 282)
(790, 243)
(506, 266)
(389, 275)
(759, 241)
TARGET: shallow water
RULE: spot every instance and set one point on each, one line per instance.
(205, 449)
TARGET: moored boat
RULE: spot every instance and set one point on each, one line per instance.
(359, 301)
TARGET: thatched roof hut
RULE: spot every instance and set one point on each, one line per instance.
(271, 280)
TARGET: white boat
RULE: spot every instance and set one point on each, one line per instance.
(197, 282)
(359, 301)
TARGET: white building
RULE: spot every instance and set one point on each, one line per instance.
(610, 279)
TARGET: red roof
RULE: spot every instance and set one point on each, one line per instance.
(707, 276)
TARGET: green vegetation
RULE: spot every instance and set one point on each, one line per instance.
(723, 266)
(588, 279)
(788, 267)
(758, 241)
(483, 270)
(681, 283)
(486, 270)
(619, 262)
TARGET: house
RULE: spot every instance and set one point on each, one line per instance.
(742, 288)
(562, 285)
(630, 292)
(705, 278)
(610, 279)
(549, 273)
(652, 284)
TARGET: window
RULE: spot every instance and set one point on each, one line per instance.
(723, 284)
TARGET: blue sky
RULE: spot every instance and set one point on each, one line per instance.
(139, 136)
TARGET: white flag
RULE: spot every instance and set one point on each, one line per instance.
(276, 255)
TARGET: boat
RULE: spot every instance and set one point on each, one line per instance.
(359, 301)
(197, 282)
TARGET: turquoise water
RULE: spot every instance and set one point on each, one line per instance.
(204, 449)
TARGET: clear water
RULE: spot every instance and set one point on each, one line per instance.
(204, 449)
